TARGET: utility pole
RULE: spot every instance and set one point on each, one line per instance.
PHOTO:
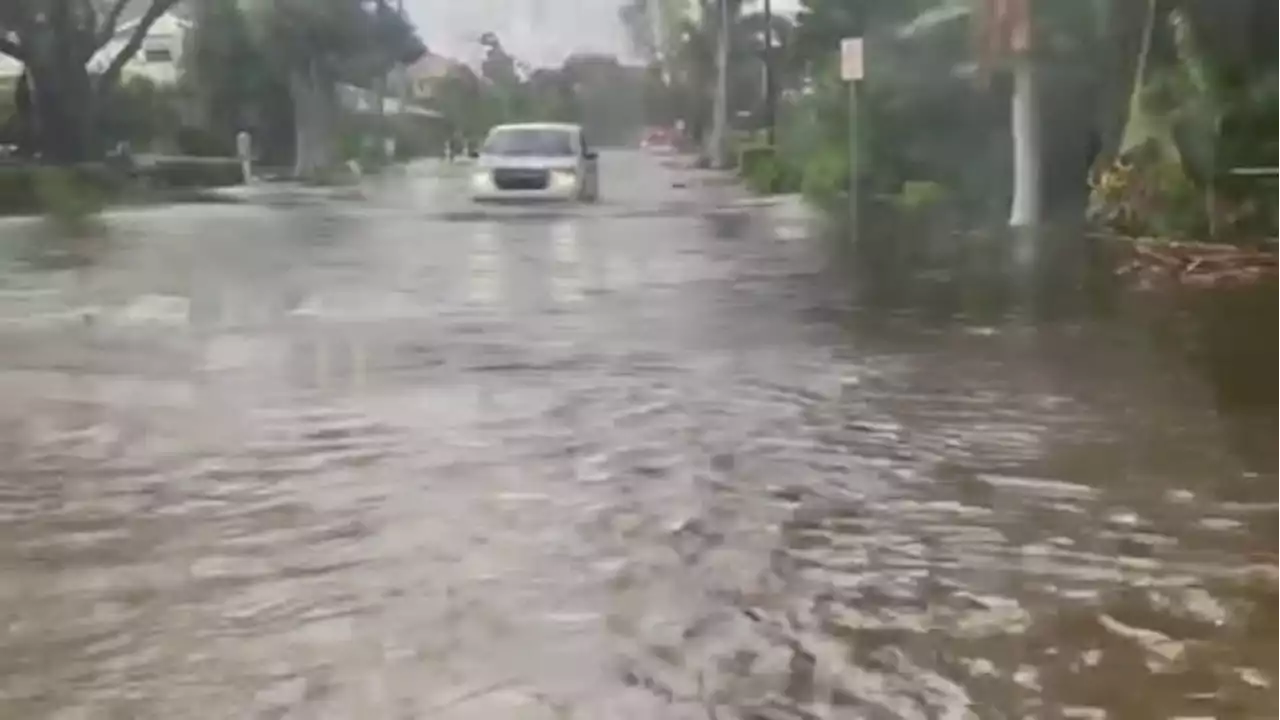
(404, 69)
(405, 120)
(770, 94)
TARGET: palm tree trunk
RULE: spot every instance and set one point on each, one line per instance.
(1025, 117)
(717, 140)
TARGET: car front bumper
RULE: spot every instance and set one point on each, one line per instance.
(484, 189)
(548, 195)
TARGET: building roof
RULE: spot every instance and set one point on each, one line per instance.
(431, 66)
(135, 9)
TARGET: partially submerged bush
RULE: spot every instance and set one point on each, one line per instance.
(1144, 194)
(70, 194)
(767, 170)
(200, 142)
(76, 193)
(191, 172)
(825, 178)
(919, 196)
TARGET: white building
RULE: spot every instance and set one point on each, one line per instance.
(158, 60)
(424, 75)
(160, 57)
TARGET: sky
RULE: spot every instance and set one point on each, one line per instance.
(540, 32)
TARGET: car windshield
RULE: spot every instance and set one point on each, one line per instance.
(530, 141)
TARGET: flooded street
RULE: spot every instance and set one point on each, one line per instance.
(399, 457)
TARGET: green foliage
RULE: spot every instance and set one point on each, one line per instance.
(918, 196)
(597, 91)
(144, 114)
(69, 196)
(814, 138)
(55, 42)
(245, 64)
(354, 40)
(228, 77)
(8, 119)
(192, 172)
(825, 178)
(202, 142)
(759, 166)
(73, 195)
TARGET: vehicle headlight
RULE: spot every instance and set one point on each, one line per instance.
(564, 178)
(482, 179)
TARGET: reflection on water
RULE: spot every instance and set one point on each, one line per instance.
(625, 467)
(566, 280)
(484, 271)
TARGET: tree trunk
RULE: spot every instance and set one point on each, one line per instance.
(62, 112)
(1025, 127)
(314, 122)
(380, 112)
(717, 140)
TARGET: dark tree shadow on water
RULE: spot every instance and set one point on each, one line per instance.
(946, 276)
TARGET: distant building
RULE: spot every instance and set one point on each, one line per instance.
(425, 75)
(160, 57)
(158, 60)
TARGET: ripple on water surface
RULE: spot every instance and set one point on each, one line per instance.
(704, 492)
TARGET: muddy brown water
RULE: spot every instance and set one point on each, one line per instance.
(399, 458)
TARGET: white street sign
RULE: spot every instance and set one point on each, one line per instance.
(851, 59)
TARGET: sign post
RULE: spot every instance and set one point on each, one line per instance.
(851, 70)
(244, 151)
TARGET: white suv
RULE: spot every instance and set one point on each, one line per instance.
(536, 161)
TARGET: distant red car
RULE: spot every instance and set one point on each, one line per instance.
(659, 139)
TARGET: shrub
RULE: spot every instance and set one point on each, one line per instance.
(766, 170)
(67, 193)
(917, 196)
(756, 164)
(825, 178)
(192, 172)
(199, 142)
(1146, 194)
(143, 113)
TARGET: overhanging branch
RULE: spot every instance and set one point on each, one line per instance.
(110, 21)
(15, 20)
(12, 49)
(154, 12)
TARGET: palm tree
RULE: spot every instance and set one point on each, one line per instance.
(1006, 34)
(717, 139)
(1003, 32)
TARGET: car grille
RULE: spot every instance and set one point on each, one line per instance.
(520, 179)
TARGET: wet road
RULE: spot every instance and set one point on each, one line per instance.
(394, 457)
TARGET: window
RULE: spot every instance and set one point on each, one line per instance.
(530, 142)
(157, 55)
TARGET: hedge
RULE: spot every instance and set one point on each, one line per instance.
(767, 171)
(190, 172)
(31, 188)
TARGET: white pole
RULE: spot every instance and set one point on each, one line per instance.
(244, 149)
(1024, 120)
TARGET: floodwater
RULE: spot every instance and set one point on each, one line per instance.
(394, 457)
